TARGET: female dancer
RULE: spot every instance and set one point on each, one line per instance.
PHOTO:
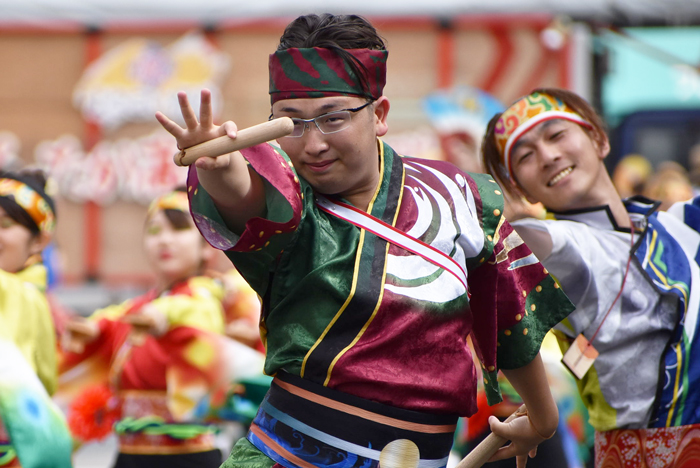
(28, 418)
(160, 356)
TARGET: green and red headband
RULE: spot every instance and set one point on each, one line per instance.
(319, 72)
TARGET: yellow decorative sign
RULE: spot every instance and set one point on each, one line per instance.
(130, 82)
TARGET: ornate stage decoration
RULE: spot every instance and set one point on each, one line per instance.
(129, 169)
(132, 81)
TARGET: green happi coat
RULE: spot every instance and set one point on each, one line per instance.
(351, 311)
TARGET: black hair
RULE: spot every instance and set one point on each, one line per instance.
(36, 180)
(337, 33)
(178, 219)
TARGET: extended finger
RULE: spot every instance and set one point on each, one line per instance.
(171, 127)
(521, 461)
(206, 118)
(187, 111)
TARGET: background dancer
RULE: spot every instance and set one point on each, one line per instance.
(28, 372)
(160, 360)
(628, 268)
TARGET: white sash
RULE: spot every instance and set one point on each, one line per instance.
(389, 233)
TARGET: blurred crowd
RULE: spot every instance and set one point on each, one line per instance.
(668, 183)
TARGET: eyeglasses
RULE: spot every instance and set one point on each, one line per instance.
(332, 122)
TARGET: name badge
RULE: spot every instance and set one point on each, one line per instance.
(580, 356)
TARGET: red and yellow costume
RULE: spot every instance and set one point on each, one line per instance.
(162, 384)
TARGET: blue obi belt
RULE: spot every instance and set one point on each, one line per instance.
(301, 424)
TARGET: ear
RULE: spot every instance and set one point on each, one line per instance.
(602, 144)
(38, 243)
(381, 112)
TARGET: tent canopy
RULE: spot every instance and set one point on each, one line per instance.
(104, 12)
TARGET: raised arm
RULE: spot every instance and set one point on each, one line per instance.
(237, 191)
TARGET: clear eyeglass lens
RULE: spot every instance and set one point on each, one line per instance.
(328, 123)
(334, 122)
(298, 128)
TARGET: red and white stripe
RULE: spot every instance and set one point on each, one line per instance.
(395, 236)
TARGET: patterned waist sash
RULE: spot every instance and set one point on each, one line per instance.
(666, 447)
(147, 427)
(303, 424)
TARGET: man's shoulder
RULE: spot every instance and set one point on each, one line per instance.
(449, 169)
(439, 164)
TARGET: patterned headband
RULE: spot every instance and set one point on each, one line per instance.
(524, 115)
(30, 201)
(318, 72)
(170, 201)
